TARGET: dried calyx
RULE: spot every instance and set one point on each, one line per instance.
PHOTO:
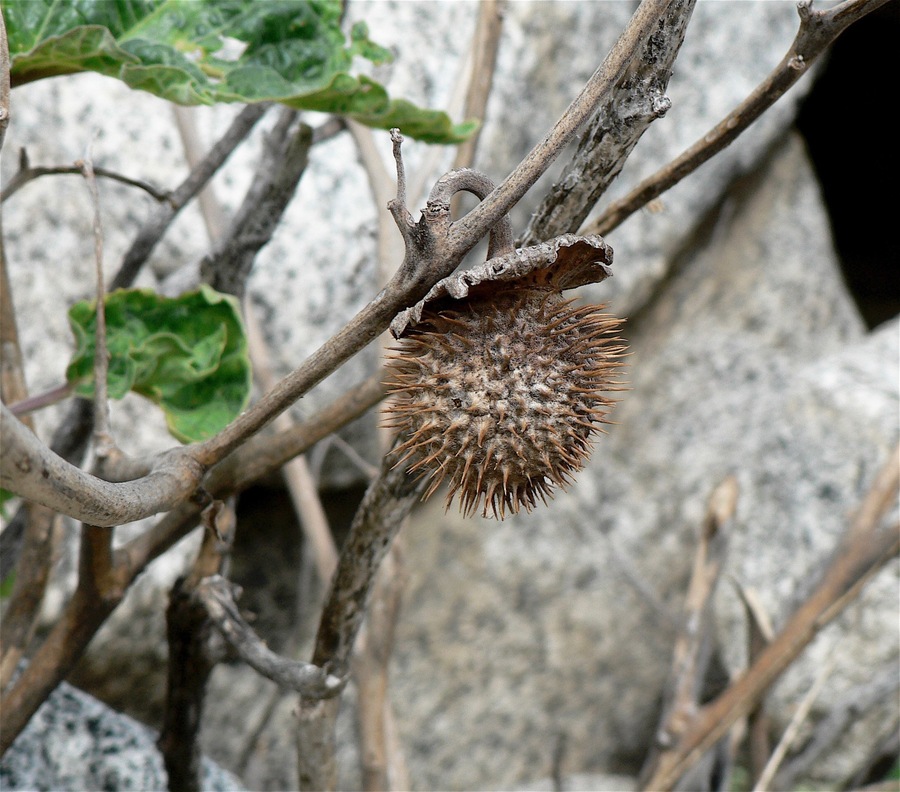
(499, 382)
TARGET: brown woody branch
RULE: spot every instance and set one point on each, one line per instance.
(193, 654)
(284, 159)
(312, 681)
(690, 655)
(626, 113)
(818, 30)
(28, 173)
(82, 616)
(437, 248)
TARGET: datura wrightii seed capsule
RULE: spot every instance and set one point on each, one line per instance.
(499, 383)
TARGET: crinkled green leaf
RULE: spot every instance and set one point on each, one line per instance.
(188, 354)
(206, 51)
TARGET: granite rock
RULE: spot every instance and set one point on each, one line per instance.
(76, 742)
(748, 358)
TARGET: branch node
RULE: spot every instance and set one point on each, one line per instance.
(660, 105)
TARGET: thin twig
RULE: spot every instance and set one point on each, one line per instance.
(296, 472)
(39, 401)
(104, 444)
(760, 636)
(793, 728)
(818, 30)
(26, 175)
(690, 655)
(362, 465)
(214, 217)
(381, 185)
(217, 596)
(851, 707)
(4, 82)
(153, 231)
(329, 129)
(485, 46)
(665, 616)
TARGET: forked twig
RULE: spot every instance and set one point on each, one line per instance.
(214, 217)
(29, 173)
(861, 554)
(217, 596)
(818, 30)
(614, 130)
(690, 654)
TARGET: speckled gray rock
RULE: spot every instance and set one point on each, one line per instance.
(76, 742)
(516, 631)
(320, 267)
(750, 361)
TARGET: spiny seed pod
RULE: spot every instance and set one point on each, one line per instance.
(498, 393)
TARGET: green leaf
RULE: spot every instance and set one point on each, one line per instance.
(207, 51)
(188, 355)
(5, 496)
(7, 585)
